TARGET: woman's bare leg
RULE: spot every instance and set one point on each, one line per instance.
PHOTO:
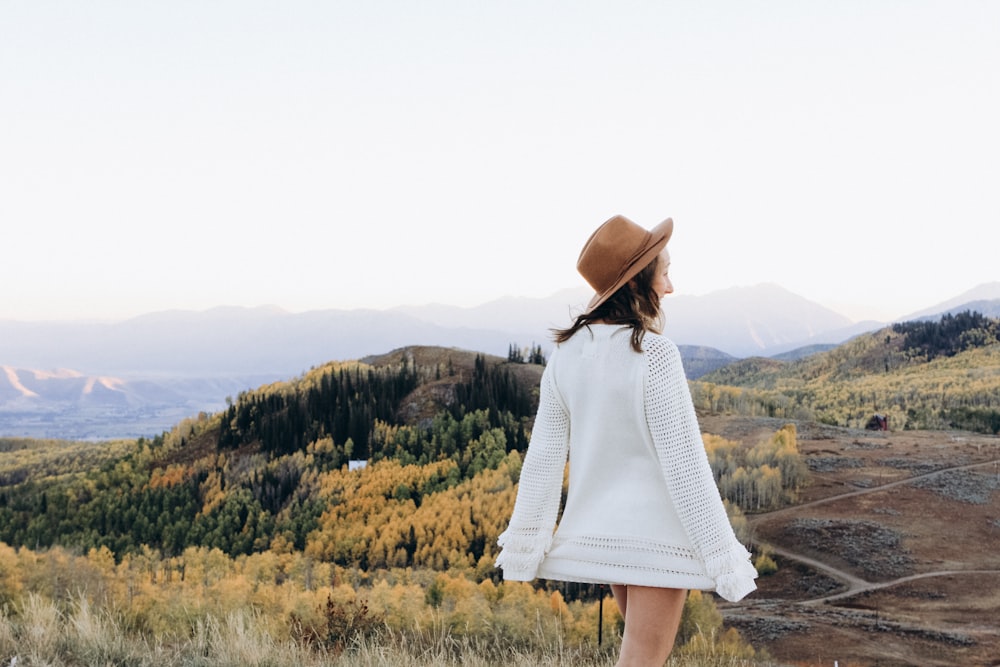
(654, 615)
(620, 592)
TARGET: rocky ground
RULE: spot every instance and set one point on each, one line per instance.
(888, 558)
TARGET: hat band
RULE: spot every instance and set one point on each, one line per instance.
(636, 256)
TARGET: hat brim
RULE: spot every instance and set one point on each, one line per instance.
(658, 237)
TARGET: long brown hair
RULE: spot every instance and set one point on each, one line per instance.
(636, 304)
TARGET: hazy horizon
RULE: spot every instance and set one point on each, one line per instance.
(186, 155)
(868, 312)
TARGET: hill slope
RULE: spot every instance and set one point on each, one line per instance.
(939, 374)
(443, 431)
(237, 479)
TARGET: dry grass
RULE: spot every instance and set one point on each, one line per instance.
(37, 633)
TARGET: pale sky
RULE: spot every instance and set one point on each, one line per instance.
(189, 154)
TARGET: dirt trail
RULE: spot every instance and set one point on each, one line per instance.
(766, 516)
(855, 584)
(864, 586)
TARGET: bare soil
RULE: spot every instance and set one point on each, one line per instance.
(890, 557)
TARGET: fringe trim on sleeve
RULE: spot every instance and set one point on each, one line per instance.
(521, 554)
(733, 573)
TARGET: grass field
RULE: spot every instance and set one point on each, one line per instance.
(36, 633)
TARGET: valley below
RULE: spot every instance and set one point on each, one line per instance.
(889, 556)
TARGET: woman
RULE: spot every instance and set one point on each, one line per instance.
(642, 513)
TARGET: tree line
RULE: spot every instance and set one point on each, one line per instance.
(921, 375)
(762, 477)
(529, 355)
(949, 335)
(340, 403)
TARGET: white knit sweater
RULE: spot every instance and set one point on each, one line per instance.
(642, 506)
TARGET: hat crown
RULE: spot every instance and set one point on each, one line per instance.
(608, 252)
(617, 251)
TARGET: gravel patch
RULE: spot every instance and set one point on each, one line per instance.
(938, 636)
(798, 581)
(920, 594)
(966, 486)
(866, 445)
(819, 585)
(917, 466)
(874, 549)
(759, 629)
(833, 463)
(887, 510)
(872, 622)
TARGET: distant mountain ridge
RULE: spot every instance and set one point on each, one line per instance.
(225, 340)
(987, 307)
(982, 296)
(71, 405)
(145, 372)
(740, 321)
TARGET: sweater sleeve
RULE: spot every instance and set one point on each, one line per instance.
(677, 437)
(529, 534)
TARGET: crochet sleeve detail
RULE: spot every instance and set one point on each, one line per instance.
(677, 438)
(529, 534)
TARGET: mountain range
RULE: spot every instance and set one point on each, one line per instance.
(140, 376)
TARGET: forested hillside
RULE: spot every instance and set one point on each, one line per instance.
(370, 494)
(921, 375)
(442, 432)
(273, 466)
(383, 482)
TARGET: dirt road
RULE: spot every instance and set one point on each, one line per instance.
(855, 584)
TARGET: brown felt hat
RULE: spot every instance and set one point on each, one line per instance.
(617, 251)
